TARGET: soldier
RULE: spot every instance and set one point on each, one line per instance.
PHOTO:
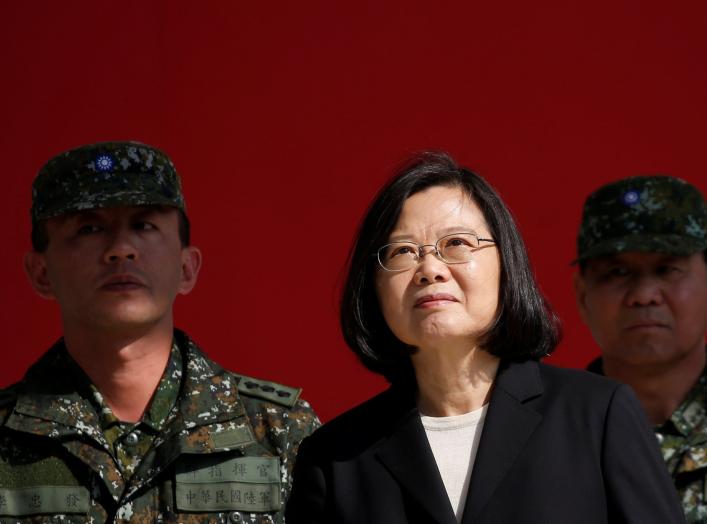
(642, 291)
(124, 418)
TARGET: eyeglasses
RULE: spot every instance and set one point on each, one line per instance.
(455, 248)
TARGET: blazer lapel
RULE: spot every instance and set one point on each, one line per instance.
(408, 457)
(508, 425)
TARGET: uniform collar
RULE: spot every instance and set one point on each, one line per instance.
(209, 394)
(157, 413)
(50, 403)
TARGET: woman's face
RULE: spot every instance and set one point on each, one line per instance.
(433, 303)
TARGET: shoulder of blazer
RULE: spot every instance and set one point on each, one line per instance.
(363, 426)
(573, 391)
(538, 384)
(578, 380)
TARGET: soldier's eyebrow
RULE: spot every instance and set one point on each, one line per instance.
(600, 263)
(671, 259)
(609, 259)
(147, 211)
(75, 216)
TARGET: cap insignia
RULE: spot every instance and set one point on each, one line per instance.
(104, 163)
(631, 198)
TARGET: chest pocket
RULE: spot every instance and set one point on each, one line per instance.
(37, 500)
(217, 483)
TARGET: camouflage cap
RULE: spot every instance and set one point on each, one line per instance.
(659, 214)
(105, 175)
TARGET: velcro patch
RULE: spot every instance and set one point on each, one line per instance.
(233, 438)
(271, 391)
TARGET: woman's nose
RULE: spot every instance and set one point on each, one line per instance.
(431, 268)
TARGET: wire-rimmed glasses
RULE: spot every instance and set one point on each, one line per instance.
(455, 248)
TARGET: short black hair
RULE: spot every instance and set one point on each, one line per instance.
(525, 326)
(40, 236)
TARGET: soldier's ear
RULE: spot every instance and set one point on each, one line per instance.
(191, 263)
(36, 269)
(580, 293)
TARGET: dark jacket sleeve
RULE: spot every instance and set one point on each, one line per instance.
(638, 486)
(306, 504)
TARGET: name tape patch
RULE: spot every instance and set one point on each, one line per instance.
(228, 496)
(43, 499)
(210, 483)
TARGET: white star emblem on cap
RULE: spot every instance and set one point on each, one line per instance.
(104, 163)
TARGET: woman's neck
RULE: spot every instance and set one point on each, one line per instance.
(453, 381)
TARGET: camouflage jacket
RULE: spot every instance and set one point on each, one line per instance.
(225, 456)
(683, 442)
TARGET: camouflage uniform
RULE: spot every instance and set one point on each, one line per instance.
(222, 448)
(683, 443)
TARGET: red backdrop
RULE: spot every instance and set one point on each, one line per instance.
(284, 118)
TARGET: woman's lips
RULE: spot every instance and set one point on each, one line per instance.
(434, 300)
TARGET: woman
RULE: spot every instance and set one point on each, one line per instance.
(440, 299)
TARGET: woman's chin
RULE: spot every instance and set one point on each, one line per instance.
(441, 338)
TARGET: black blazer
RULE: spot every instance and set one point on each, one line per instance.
(558, 446)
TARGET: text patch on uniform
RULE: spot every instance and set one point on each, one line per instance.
(43, 499)
(215, 483)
